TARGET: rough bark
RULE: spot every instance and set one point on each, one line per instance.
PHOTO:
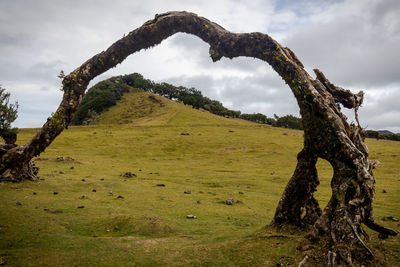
(327, 134)
(17, 172)
(297, 205)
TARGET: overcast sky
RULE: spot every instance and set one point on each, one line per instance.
(355, 43)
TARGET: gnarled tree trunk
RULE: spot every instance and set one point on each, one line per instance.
(297, 205)
(327, 133)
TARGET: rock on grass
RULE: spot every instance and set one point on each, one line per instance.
(229, 201)
(128, 175)
(390, 218)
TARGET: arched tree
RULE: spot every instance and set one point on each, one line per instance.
(327, 134)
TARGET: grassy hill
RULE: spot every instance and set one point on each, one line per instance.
(167, 143)
(147, 109)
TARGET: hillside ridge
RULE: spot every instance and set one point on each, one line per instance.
(141, 108)
(106, 93)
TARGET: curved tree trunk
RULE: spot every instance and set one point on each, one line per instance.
(327, 133)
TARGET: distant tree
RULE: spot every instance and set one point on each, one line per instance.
(101, 96)
(288, 121)
(372, 134)
(8, 114)
(385, 136)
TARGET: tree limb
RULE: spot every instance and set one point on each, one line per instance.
(343, 96)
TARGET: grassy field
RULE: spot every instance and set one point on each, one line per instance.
(87, 224)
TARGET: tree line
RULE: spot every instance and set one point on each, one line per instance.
(385, 136)
(106, 94)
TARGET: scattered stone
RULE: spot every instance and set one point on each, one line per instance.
(53, 211)
(120, 197)
(128, 175)
(94, 133)
(191, 216)
(231, 131)
(198, 202)
(185, 133)
(187, 192)
(60, 158)
(94, 191)
(83, 197)
(102, 179)
(81, 207)
(2, 261)
(229, 201)
(162, 185)
(55, 193)
(72, 167)
(110, 193)
(34, 193)
(19, 203)
(284, 133)
(390, 218)
(61, 172)
(83, 180)
(140, 170)
(241, 193)
(384, 191)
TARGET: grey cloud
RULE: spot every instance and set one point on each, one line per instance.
(382, 111)
(194, 48)
(354, 42)
(45, 71)
(265, 93)
(204, 83)
(356, 48)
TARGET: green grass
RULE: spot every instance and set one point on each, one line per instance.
(148, 227)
